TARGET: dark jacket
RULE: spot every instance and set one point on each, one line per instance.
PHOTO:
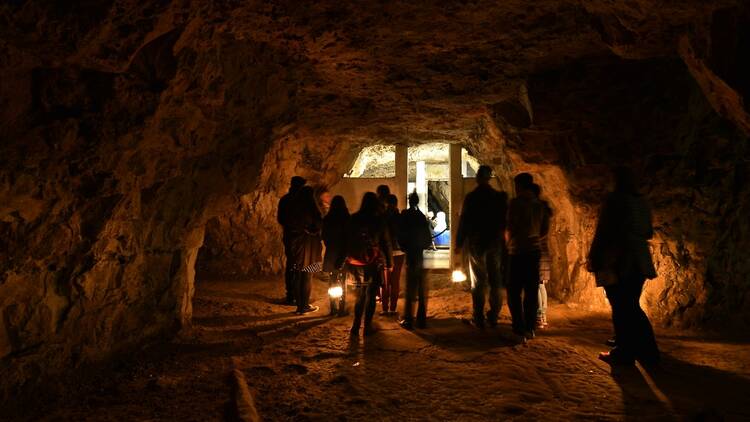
(304, 227)
(528, 223)
(284, 211)
(369, 231)
(392, 218)
(482, 221)
(334, 238)
(414, 232)
(621, 240)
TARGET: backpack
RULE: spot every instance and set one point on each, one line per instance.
(362, 247)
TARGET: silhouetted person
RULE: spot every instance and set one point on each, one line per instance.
(480, 235)
(414, 238)
(621, 260)
(283, 217)
(391, 284)
(334, 238)
(383, 192)
(528, 222)
(305, 227)
(545, 263)
(368, 250)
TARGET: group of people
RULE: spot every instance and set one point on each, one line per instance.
(371, 245)
(500, 242)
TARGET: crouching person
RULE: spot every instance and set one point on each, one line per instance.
(368, 256)
(414, 237)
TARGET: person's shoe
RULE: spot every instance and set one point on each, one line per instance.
(612, 342)
(384, 313)
(613, 359)
(529, 335)
(406, 325)
(289, 301)
(308, 309)
(342, 312)
(491, 320)
(479, 323)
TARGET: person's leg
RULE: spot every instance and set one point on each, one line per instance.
(494, 281)
(644, 342)
(531, 290)
(395, 281)
(361, 296)
(478, 273)
(411, 290)
(514, 293)
(373, 275)
(303, 291)
(619, 303)
(289, 281)
(423, 292)
(385, 291)
(542, 313)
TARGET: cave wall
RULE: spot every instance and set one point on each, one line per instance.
(131, 132)
(121, 137)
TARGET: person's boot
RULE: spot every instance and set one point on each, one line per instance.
(491, 320)
(406, 324)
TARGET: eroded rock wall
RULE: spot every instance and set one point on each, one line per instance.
(121, 137)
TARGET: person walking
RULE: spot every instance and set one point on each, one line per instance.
(368, 256)
(414, 237)
(305, 241)
(283, 216)
(527, 224)
(480, 237)
(391, 283)
(621, 261)
(545, 262)
(334, 238)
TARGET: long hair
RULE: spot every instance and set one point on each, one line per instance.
(370, 204)
(338, 209)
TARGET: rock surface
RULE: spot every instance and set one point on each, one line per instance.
(130, 129)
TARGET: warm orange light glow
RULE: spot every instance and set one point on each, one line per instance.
(458, 276)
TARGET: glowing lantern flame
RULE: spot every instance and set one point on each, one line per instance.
(458, 276)
(335, 292)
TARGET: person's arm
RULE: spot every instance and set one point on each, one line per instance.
(281, 211)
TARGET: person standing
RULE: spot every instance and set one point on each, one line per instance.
(414, 238)
(391, 283)
(305, 241)
(368, 256)
(334, 238)
(527, 224)
(480, 235)
(545, 263)
(283, 216)
(621, 261)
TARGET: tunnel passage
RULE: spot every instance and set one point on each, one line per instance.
(136, 136)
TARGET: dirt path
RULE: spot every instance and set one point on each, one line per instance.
(308, 368)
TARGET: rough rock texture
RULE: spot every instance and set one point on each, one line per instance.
(128, 128)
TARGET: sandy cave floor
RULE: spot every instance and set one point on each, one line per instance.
(308, 368)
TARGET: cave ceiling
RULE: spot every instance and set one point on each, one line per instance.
(415, 71)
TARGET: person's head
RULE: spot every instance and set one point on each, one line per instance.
(484, 174)
(370, 204)
(523, 182)
(392, 201)
(536, 189)
(625, 180)
(413, 199)
(323, 195)
(296, 183)
(338, 206)
(383, 192)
